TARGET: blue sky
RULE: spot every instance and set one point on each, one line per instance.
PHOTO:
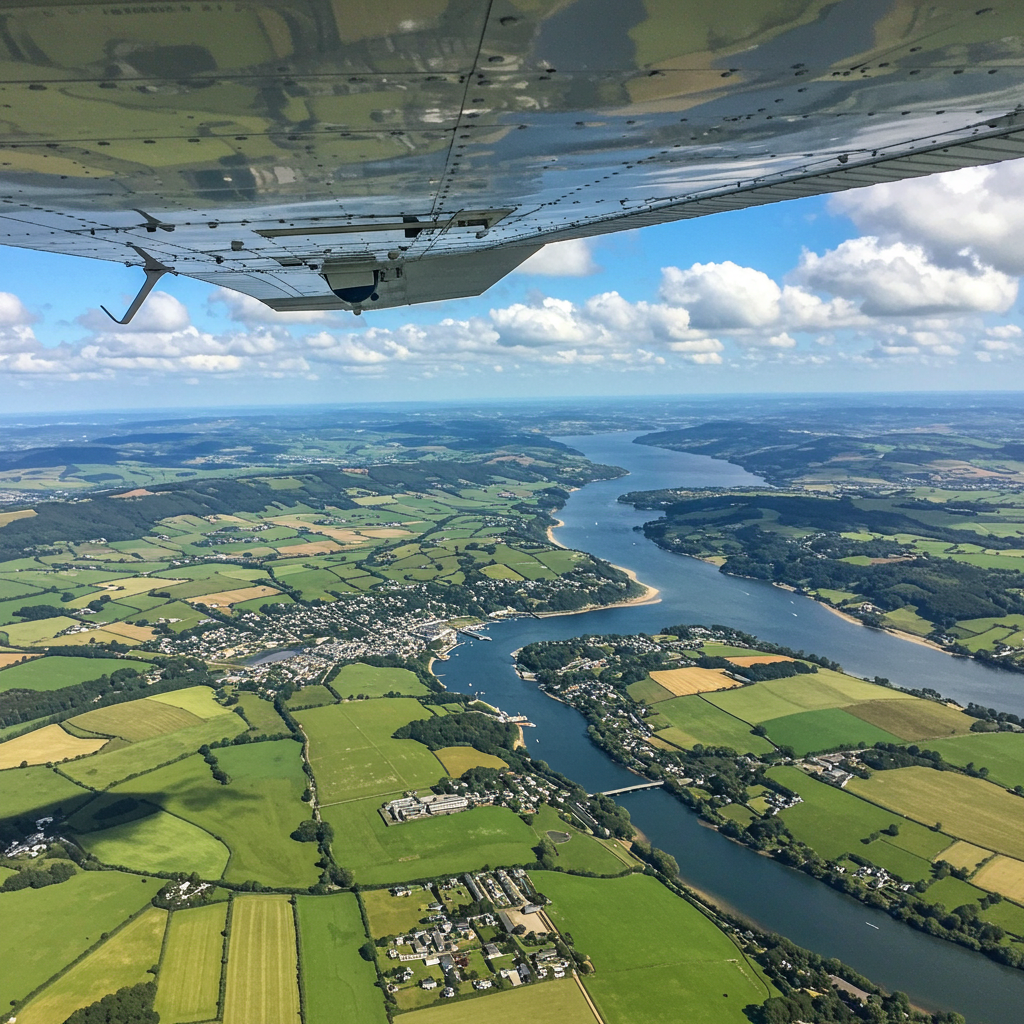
(910, 286)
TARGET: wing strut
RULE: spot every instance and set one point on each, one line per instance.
(154, 271)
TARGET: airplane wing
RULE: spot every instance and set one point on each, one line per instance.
(342, 154)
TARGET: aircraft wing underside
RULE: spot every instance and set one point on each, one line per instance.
(331, 154)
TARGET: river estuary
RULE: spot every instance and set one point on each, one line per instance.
(935, 974)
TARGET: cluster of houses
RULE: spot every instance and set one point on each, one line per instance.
(36, 843)
(826, 767)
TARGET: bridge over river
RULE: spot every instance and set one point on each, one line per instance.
(628, 789)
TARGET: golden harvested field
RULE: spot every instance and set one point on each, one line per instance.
(963, 855)
(971, 809)
(758, 659)
(262, 981)
(50, 743)
(122, 960)
(230, 597)
(136, 720)
(457, 760)
(386, 532)
(127, 586)
(913, 719)
(129, 631)
(14, 657)
(9, 517)
(101, 636)
(684, 681)
(190, 973)
(1003, 875)
(338, 533)
(317, 547)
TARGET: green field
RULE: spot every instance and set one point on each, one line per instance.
(554, 1002)
(338, 983)
(645, 974)
(261, 714)
(1002, 753)
(647, 691)
(136, 720)
(697, 721)
(107, 768)
(458, 760)
(423, 849)
(262, 983)
(970, 809)
(124, 959)
(833, 821)
(353, 755)
(813, 692)
(198, 700)
(253, 816)
(582, 852)
(190, 972)
(311, 696)
(352, 680)
(395, 915)
(56, 672)
(160, 842)
(952, 892)
(58, 923)
(35, 792)
(826, 729)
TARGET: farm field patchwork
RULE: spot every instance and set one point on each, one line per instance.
(58, 923)
(159, 842)
(353, 755)
(1003, 875)
(51, 743)
(338, 983)
(826, 729)
(123, 959)
(647, 691)
(554, 1002)
(963, 855)
(253, 816)
(833, 821)
(262, 984)
(683, 681)
(644, 975)
(813, 692)
(136, 720)
(698, 721)
(970, 809)
(190, 972)
(198, 700)
(421, 849)
(582, 852)
(111, 766)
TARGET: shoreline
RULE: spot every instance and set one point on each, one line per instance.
(898, 633)
(650, 595)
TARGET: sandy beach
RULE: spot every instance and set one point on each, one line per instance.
(911, 637)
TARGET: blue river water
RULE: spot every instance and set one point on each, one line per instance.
(934, 973)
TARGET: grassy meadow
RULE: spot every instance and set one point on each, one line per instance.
(554, 1002)
(54, 673)
(970, 809)
(1002, 753)
(643, 975)
(371, 681)
(57, 923)
(262, 981)
(353, 755)
(422, 849)
(825, 729)
(253, 816)
(338, 983)
(695, 720)
(123, 959)
(190, 972)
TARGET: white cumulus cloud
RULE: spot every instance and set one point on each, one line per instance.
(572, 258)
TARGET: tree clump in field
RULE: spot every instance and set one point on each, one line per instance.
(39, 877)
(469, 729)
(132, 1004)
